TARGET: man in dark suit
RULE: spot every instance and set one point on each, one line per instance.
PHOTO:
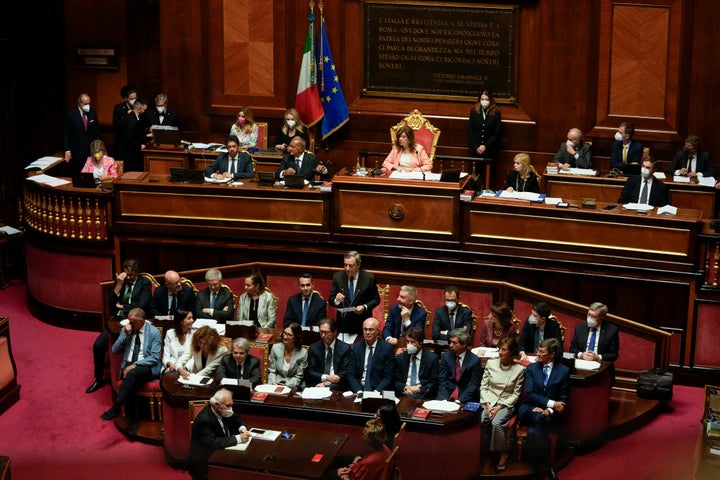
(574, 153)
(130, 291)
(81, 128)
(690, 161)
(239, 364)
(298, 161)
(372, 361)
(307, 307)
(134, 137)
(404, 314)
(463, 386)
(353, 287)
(451, 316)
(328, 359)
(140, 345)
(547, 389)
(215, 301)
(625, 150)
(422, 380)
(161, 115)
(634, 189)
(595, 339)
(233, 164)
(171, 296)
(121, 111)
(215, 427)
(537, 327)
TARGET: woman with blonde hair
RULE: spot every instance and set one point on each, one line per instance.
(245, 128)
(406, 155)
(523, 177)
(206, 354)
(99, 163)
(292, 127)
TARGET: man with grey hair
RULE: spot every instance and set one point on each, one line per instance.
(215, 301)
(355, 289)
(574, 153)
(404, 314)
(215, 427)
(239, 364)
(161, 114)
(595, 339)
(460, 370)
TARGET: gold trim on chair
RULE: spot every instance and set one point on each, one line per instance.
(264, 361)
(416, 121)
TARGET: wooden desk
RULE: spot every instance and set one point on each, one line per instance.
(281, 459)
(607, 190)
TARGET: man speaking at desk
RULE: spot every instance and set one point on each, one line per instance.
(299, 162)
(353, 288)
(645, 189)
(233, 164)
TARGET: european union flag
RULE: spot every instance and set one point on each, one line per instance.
(331, 95)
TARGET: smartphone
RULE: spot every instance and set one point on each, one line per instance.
(287, 435)
(610, 206)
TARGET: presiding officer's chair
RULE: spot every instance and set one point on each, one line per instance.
(425, 133)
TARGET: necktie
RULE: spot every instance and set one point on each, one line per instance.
(591, 345)
(213, 297)
(304, 311)
(458, 368)
(328, 361)
(225, 430)
(689, 167)
(546, 374)
(368, 369)
(413, 370)
(298, 164)
(232, 166)
(452, 321)
(128, 293)
(644, 193)
(625, 149)
(136, 348)
(173, 305)
(85, 123)
(351, 288)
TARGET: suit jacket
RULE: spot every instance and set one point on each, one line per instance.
(501, 386)
(120, 113)
(229, 369)
(527, 335)
(634, 154)
(366, 293)
(441, 322)
(208, 436)
(420, 162)
(608, 345)
(703, 163)
(296, 368)
(486, 334)
(317, 310)
(316, 364)
(224, 299)
(76, 139)
(160, 306)
(139, 298)
(537, 393)
(372, 466)
(484, 131)
(631, 191)
(243, 166)
(283, 138)
(309, 164)
(530, 184)
(110, 168)
(393, 324)
(170, 118)
(131, 142)
(267, 310)
(470, 376)
(151, 347)
(382, 372)
(584, 156)
(211, 364)
(428, 373)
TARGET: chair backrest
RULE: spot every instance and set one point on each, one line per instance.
(189, 283)
(261, 351)
(425, 133)
(194, 408)
(275, 298)
(397, 439)
(153, 281)
(391, 468)
(120, 167)
(262, 134)
(563, 328)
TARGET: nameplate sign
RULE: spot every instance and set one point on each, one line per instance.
(451, 51)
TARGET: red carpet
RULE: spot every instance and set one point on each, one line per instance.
(54, 431)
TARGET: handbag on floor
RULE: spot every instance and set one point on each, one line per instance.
(655, 384)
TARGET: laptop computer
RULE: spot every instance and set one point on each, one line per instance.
(84, 180)
(294, 181)
(630, 168)
(450, 176)
(194, 176)
(266, 179)
(177, 174)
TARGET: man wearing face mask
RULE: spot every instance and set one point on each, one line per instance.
(121, 111)
(645, 189)
(574, 153)
(537, 328)
(161, 115)
(421, 379)
(451, 316)
(215, 427)
(691, 161)
(81, 128)
(625, 149)
(596, 339)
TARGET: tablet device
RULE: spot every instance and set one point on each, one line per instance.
(450, 175)
(294, 181)
(266, 178)
(630, 168)
(84, 180)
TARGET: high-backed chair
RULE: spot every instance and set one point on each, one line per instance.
(398, 437)
(9, 388)
(392, 472)
(194, 409)
(425, 133)
(261, 351)
(262, 134)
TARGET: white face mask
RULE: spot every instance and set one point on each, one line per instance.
(532, 320)
(451, 305)
(570, 143)
(227, 413)
(160, 109)
(484, 103)
(85, 108)
(591, 322)
(132, 101)
(411, 349)
(618, 136)
(645, 172)
(291, 123)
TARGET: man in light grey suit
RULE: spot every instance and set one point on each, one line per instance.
(140, 345)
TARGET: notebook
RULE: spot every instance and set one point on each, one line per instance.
(294, 181)
(84, 180)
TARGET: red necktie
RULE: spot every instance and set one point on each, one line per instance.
(458, 367)
(84, 120)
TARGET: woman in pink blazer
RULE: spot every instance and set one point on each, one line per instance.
(406, 155)
(99, 164)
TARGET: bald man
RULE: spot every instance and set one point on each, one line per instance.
(171, 296)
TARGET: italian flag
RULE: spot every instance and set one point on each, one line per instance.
(307, 101)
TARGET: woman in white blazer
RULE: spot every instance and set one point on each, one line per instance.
(177, 340)
(288, 360)
(206, 354)
(257, 304)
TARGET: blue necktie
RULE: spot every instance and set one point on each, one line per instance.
(413, 370)
(212, 300)
(304, 311)
(591, 345)
(351, 290)
(368, 369)
(546, 370)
